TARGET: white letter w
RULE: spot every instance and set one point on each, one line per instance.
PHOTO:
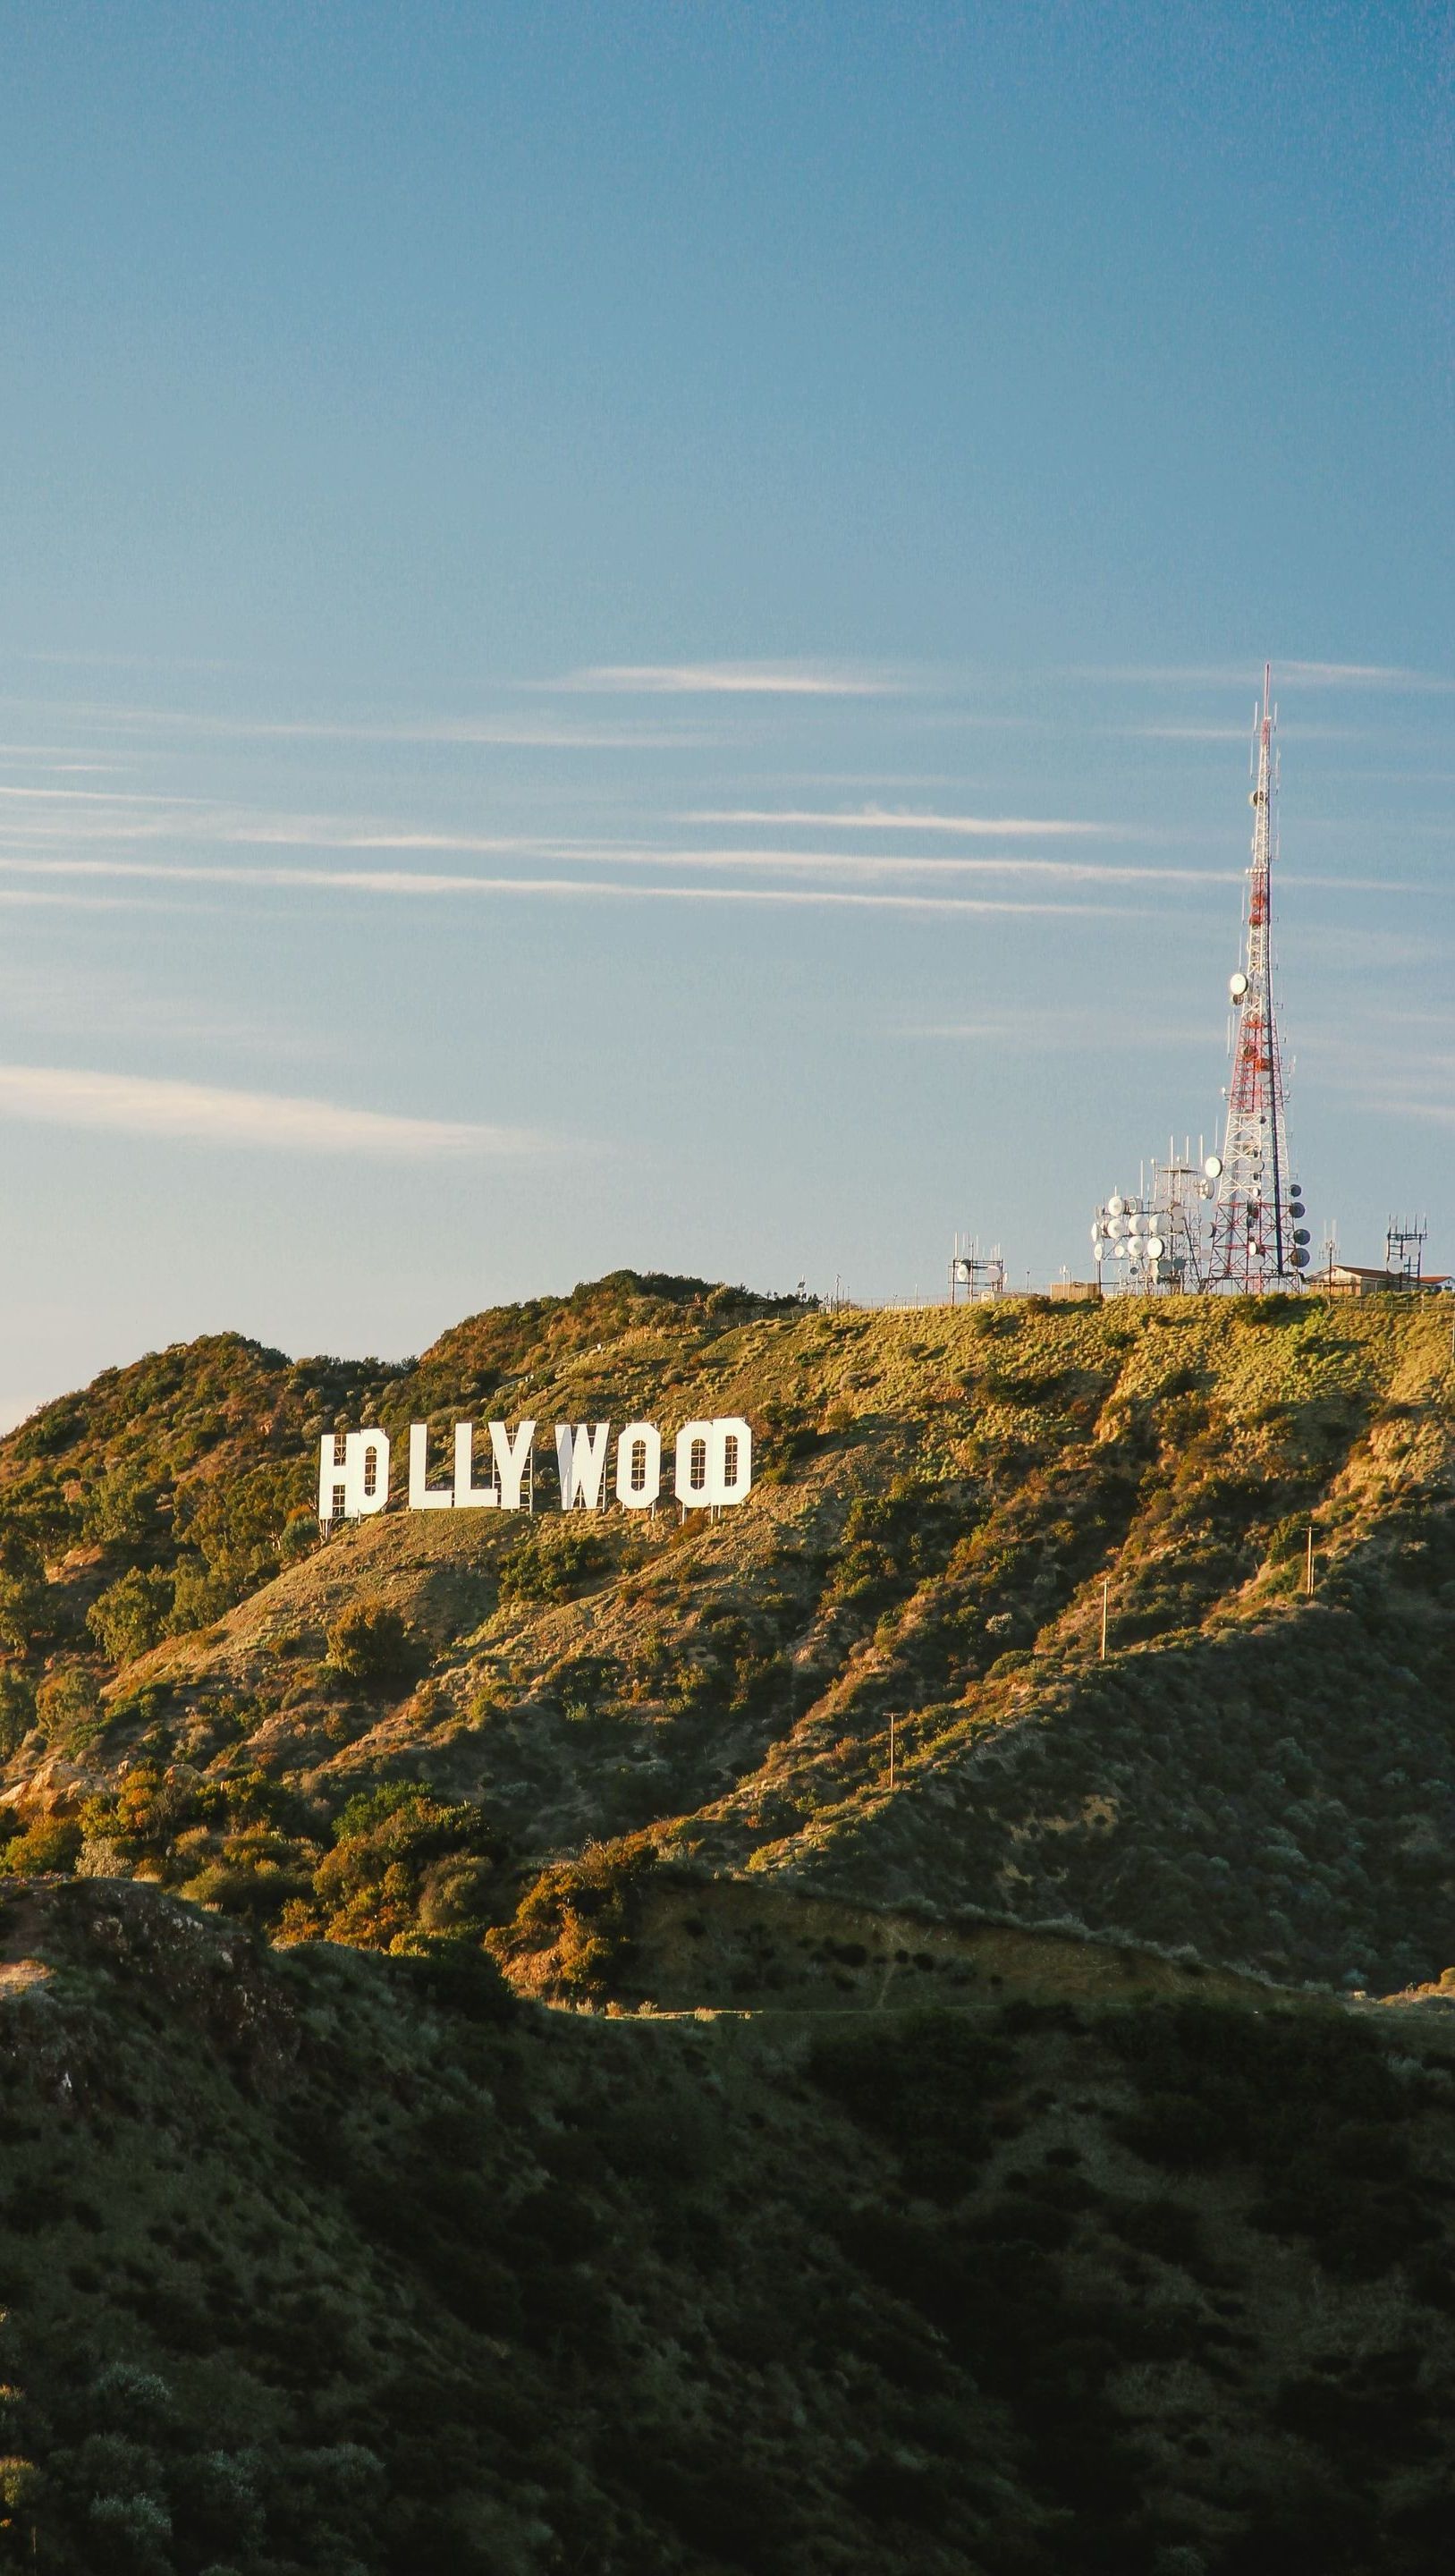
(581, 1456)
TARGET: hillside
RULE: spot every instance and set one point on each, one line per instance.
(317, 2261)
(574, 1710)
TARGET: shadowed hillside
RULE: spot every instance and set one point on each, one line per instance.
(477, 1723)
(321, 2264)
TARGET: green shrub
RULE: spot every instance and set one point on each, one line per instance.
(370, 1807)
(551, 1564)
(123, 1510)
(68, 1705)
(299, 1537)
(132, 1615)
(405, 1863)
(455, 1894)
(17, 1707)
(50, 1847)
(584, 1911)
(24, 1593)
(198, 1597)
(371, 1643)
(256, 1892)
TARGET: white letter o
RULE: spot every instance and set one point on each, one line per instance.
(638, 1466)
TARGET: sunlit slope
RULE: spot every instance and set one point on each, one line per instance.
(944, 1502)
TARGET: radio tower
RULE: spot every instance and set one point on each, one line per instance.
(1256, 1242)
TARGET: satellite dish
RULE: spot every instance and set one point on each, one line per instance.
(1300, 1234)
(1155, 1247)
(1116, 1226)
(1237, 986)
(1296, 1206)
(1114, 1207)
(1213, 1167)
(1099, 1250)
(1300, 1258)
(1096, 1232)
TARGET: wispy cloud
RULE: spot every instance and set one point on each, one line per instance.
(1366, 675)
(929, 866)
(731, 679)
(873, 818)
(109, 797)
(1203, 675)
(1304, 674)
(1180, 733)
(31, 816)
(417, 882)
(43, 832)
(132, 1105)
(1059, 1032)
(49, 833)
(526, 733)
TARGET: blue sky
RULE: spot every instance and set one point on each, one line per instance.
(627, 633)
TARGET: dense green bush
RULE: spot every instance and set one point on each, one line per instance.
(583, 1911)
(551, 1563)
(25, 1607)
(133, 1614)
(370, 1642)
(68, 1705)
(405, 1864)
(52, 1844)
(199, 1595)
(125, 1510)
(17, 1706)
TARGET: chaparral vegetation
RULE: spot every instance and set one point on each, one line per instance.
(972, 2139)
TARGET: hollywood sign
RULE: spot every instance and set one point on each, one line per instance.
(712, 1468)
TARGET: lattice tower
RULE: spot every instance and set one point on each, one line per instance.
(1253, 1233)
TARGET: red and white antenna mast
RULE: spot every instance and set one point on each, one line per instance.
(1257, 1241)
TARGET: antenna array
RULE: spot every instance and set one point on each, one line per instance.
(1234, 1219)
(1257, 1239)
